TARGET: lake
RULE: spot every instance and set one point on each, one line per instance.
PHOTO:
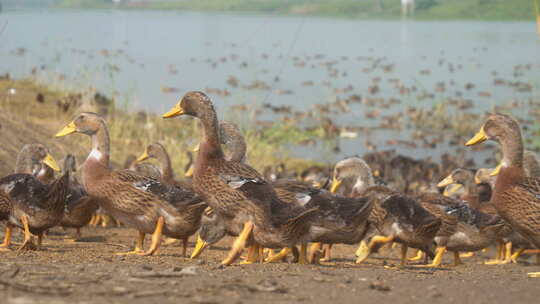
(148, 59)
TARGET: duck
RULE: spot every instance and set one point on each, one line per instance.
(396, 217)
(35, 206)
(35, 159)
(399, 218)
(516, 197)
(474, 194)
(166, 174)
(32, 159)
(79, 206)
(340, 219)
(233, 188)
(143, 203)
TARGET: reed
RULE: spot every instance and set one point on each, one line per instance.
(24, 120)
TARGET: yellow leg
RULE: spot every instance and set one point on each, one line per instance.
(404, 249)
(93, 220)
(469, 254)
(239, 244)
(169, 241)
(7, 237)
(303, 254)
(156, 237)
(252, 256)
(280, 256)
(438, 258)
(508, 253)
(327, 253)
(314, 253)
(106, 220)
(139, 247)
(378, 239)
(500, 254)
(261, 254)
(361, 248)
(419, 256)
(457, 259)
(199, 247)
(28, 244)
(517, 254)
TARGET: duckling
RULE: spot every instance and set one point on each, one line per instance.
(140, 202)
(231, 187)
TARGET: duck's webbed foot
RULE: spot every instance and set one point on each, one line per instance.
(437, 260)
(28, 243)
(239, 244)
(139, 247)
(7, 238)
(280, 256)
(375, 242)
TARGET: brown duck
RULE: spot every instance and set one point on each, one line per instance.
(143, 203)
(79, 206)
(515, 196)
(233, 188)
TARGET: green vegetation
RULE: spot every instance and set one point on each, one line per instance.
(425, 9)
(25, 120)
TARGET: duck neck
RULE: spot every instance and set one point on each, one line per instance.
(25, 164)
(210, 148)
(470, 188)
(97, 162)
(238, 150)
(166, 166)
(45, 175)
(363, 181)
(512, 149)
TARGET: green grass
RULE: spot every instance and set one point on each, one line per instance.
(426, 9)
(23, 121)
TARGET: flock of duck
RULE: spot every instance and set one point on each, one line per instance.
(225, 196)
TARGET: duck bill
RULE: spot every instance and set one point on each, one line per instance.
(496, 171)
(69, 129)
(143, 157)
(197, 148)
(479, 137)
(49, 161)
(451, 189)
(199, 247)
(176, 111)
(336, 183)
(445, 182)
(189, 172)
(477, 180)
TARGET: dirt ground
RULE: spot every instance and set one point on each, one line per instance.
(89, 272)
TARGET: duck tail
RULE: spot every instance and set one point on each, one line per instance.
(297, 224)
(362, 213)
